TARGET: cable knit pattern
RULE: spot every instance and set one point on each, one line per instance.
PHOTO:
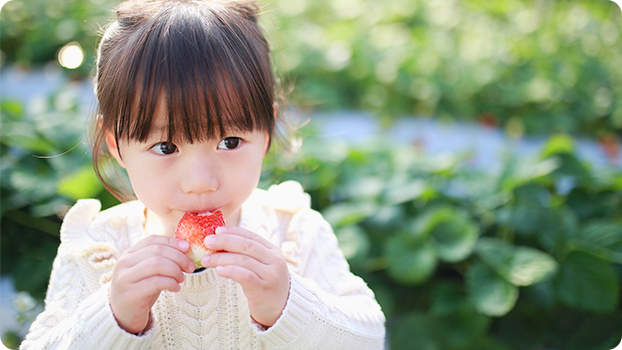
(327, 308)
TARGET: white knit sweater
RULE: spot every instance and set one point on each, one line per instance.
(328, 307)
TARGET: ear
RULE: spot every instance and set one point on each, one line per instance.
(267, 144)
(275, 107)
(113, 148)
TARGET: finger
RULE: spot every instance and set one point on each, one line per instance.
(238, 231)
(173, 242)
(148, 288)
(245, 277)
(152, 266)
(155, 284)
(242, 244)
(130, 259)
(241, 260)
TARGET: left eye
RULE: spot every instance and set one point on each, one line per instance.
(164, 148)
(229, 143)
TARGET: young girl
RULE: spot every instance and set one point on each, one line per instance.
(187, 107)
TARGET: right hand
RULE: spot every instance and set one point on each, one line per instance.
(154, 264)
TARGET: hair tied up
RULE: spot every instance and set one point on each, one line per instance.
(131, 11)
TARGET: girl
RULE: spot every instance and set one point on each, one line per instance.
(187, 107)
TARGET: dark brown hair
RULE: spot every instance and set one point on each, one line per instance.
(208, 60)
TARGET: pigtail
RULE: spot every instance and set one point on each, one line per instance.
(247, 9)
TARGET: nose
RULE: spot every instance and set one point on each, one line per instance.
(199, 174)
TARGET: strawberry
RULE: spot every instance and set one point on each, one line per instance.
(194, 228)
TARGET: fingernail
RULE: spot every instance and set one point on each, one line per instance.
(220, 230)
(191, 267)
(184, 245)
(205, 260)
(209, 240)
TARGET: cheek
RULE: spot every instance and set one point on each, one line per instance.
(253, 167)
(246, 176)
(148, 183)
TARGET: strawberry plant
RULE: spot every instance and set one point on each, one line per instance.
(461, 258)
(525, 256)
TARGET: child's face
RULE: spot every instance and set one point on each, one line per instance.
(171, 179)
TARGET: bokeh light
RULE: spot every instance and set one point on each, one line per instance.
(71, 55)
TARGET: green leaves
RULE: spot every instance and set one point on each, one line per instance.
(558, 144)
(519, 265)
(344, 214)
(528, 266)
(601, 237)
(451, 322)
(45, 164)
(454, 253)
(81, 184)
(442, 233)
(452, 231)
(492, 284)
(410, 262)
(491, 294)
(409, 57)
(588, 283)
(556, 74)
(354, 243)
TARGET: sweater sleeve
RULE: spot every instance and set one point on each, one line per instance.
(77, 313)
(328, 307)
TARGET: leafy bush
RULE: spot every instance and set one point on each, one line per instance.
(526, 258)
(531, 66)
(32, 31)
(45, 168)
(534, 67)
(458, 259)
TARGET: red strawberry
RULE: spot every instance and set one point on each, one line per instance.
(194, 228)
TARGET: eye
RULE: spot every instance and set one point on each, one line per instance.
(229, 143)
(164, 148)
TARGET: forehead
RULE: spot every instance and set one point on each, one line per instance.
(194, 127)
(193, 81)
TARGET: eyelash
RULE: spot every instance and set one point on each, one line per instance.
(223, 142)
(159, 148)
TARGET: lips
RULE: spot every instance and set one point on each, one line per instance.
(202, 212)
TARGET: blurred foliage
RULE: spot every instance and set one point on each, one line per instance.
(458, 258)
(45, 167)
(529, 257)
(32, 31)
(535, 66)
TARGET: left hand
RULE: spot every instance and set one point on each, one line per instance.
(257, 265)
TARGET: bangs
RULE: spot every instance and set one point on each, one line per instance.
(209, 69)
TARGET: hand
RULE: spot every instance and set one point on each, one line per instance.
(257, 265)
(154, 264)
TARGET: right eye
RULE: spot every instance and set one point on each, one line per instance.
(164, 148)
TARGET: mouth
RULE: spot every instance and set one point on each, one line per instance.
(203, 212)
